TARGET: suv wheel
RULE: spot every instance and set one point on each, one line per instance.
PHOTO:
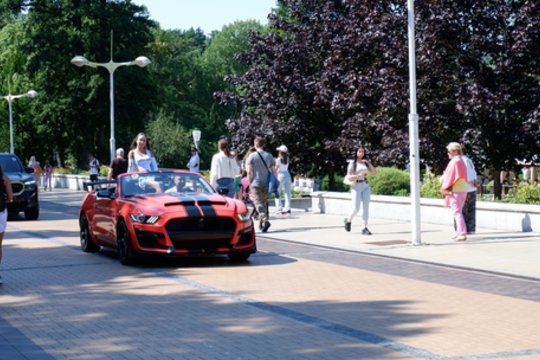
(31, 213)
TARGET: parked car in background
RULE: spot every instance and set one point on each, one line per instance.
(25, 188)
(167, 213)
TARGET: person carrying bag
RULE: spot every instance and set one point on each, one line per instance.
(273, 182)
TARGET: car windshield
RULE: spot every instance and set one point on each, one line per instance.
(11, 164)
(163, 182)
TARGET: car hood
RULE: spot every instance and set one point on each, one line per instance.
(22, 177)
(195, 204)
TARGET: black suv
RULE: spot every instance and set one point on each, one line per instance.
(25, 189)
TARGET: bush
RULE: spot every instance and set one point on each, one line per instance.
(430, 187)
(390, 181)
(340, 186)
(524, 194)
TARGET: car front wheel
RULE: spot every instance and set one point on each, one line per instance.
(31, 213)
(123, 245)
(240, 257)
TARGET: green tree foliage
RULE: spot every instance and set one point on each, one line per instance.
(74, 107)
(14, 81)
(331, 74)
(169, 141)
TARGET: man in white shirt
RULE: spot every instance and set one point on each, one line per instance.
(469, 209)
(194, 161)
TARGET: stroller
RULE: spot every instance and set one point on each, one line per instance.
(244, 188)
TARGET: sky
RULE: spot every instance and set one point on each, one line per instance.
(209, 15)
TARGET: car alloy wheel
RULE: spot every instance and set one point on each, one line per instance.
(123, 245)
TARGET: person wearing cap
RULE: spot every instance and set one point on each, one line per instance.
(284, 177)
(194, 161)
(454, 188)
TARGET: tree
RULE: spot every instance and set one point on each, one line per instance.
(74, 103)
(169, 141)
(486, 55)
(330, 74)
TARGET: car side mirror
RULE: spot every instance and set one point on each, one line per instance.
(105, 193)
(29, 170)
(223, 191)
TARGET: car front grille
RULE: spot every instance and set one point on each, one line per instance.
(18, 187)
(201, 234)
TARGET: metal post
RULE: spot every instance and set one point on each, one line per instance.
(111, 96)
(11, 146)
(414, 155)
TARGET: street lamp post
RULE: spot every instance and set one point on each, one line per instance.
(414, 155)
(10, 99)
(196, 138)
(111, 66)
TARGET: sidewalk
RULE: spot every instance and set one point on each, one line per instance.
(512, 253)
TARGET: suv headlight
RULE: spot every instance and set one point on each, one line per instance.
(143, 219)
(29, 185)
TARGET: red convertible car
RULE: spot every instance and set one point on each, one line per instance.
(165, 213)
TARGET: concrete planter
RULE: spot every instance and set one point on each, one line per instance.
(490, 215)
(70, 181)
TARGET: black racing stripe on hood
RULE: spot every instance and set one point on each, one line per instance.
(188, 202)
(205, 204)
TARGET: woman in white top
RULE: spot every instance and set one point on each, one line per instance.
(284, 177)
(361, 192)
(224, 169)
(140, 156)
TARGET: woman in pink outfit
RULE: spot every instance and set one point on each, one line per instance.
(454, 189)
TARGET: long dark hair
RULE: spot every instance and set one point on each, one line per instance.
(355, 157)
(134, 142)
(283, 157)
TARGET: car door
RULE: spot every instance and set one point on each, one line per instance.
(104, 218)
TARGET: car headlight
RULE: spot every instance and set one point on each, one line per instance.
(29, 185)
(244, 216)
(143, 219)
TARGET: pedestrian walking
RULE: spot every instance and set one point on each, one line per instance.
(224, 169)
(285, 181)
(47, 175)
(36, 166)
(357, 172)
(259, 164)
(454, 188)
(6, 196)
(469, 208)
(194, 161)
(93, 163)
(118, 165)
(238, 177)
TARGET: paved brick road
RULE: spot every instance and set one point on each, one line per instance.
(292, 301)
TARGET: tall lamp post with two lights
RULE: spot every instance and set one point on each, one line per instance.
(10, 99)
(111, 67)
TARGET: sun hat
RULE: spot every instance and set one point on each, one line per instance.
(282, 148)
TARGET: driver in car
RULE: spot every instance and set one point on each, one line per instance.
(179, 185)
